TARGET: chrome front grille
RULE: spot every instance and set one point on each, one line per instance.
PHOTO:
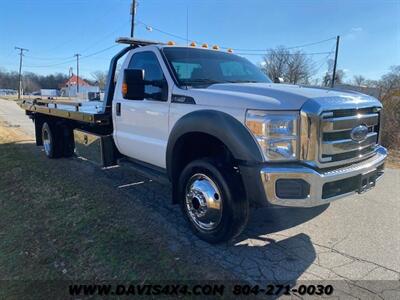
(336, 143)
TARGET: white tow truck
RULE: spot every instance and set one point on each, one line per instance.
(221, 132)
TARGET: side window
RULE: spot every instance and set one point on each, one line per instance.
(157, 87)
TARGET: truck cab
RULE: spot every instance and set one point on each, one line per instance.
(227, 138)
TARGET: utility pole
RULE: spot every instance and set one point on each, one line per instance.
(77, 72)
(21, 53)
(133, 13)
(70, 73)
(335, 62)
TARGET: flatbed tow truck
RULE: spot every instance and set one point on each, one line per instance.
(225, 137)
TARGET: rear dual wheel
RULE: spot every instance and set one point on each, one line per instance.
(57, 140)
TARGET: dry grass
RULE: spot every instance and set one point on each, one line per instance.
(393, 160)
(63, 220)
(14, 134)
(391, 122)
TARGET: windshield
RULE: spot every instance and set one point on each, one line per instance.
(199, 67)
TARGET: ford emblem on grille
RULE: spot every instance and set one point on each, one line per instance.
(359, 133)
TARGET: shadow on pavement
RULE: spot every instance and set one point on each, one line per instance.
(265, 257)
(273, 219)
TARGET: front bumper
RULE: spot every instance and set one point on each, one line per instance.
(323, 186)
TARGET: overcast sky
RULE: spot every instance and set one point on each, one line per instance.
(54, 30)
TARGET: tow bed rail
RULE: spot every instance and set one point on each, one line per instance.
(99, 120)
(42, 106)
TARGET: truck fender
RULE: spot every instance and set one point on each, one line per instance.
(220, 125)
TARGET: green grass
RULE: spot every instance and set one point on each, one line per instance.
(59, 220)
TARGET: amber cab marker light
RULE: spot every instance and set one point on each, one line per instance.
(171, 43)
(215, 47)
(193, 44)
(204, 45)
(124, 89)
(230, 50)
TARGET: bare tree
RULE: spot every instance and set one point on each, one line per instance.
(31, 81)
(276, 62)
(293, 67)
(339, 75)
(101, 78)
(300, 68)
(30, 84)
(359, 80)
(391, 81)
(389, 86)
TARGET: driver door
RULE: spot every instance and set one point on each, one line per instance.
(141, 126)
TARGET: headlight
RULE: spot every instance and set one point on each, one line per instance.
(276, 133)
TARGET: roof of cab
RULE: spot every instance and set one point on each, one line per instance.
(142, 43)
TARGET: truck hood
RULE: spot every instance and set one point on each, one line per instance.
(271, 96)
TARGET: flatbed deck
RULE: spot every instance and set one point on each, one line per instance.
(85, 111)
(95, 115)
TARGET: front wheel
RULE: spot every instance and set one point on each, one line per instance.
(213, 200)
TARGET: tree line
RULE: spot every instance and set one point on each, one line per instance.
(33, 82)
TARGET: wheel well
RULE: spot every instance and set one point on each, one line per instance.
(196, 145)
(54, 123)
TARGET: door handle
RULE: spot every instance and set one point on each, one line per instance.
(118, 109)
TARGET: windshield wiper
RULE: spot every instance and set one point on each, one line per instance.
(242, 81)
(201, 81)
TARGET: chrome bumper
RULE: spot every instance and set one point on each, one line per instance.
(316, 179)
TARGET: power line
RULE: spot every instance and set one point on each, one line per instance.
(237, 49)
(53, 65)
(47, 58)
(100, 51)
(286, 48)
(73, 59)
(323, 61)
(162, 31)
(310, 53)
(104, 37)
(264, 51)
(84, 30)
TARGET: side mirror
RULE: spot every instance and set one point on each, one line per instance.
(133, 84)
(278, 80)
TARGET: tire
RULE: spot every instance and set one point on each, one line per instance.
(224, 215)
(52, 141)
(68, 142)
